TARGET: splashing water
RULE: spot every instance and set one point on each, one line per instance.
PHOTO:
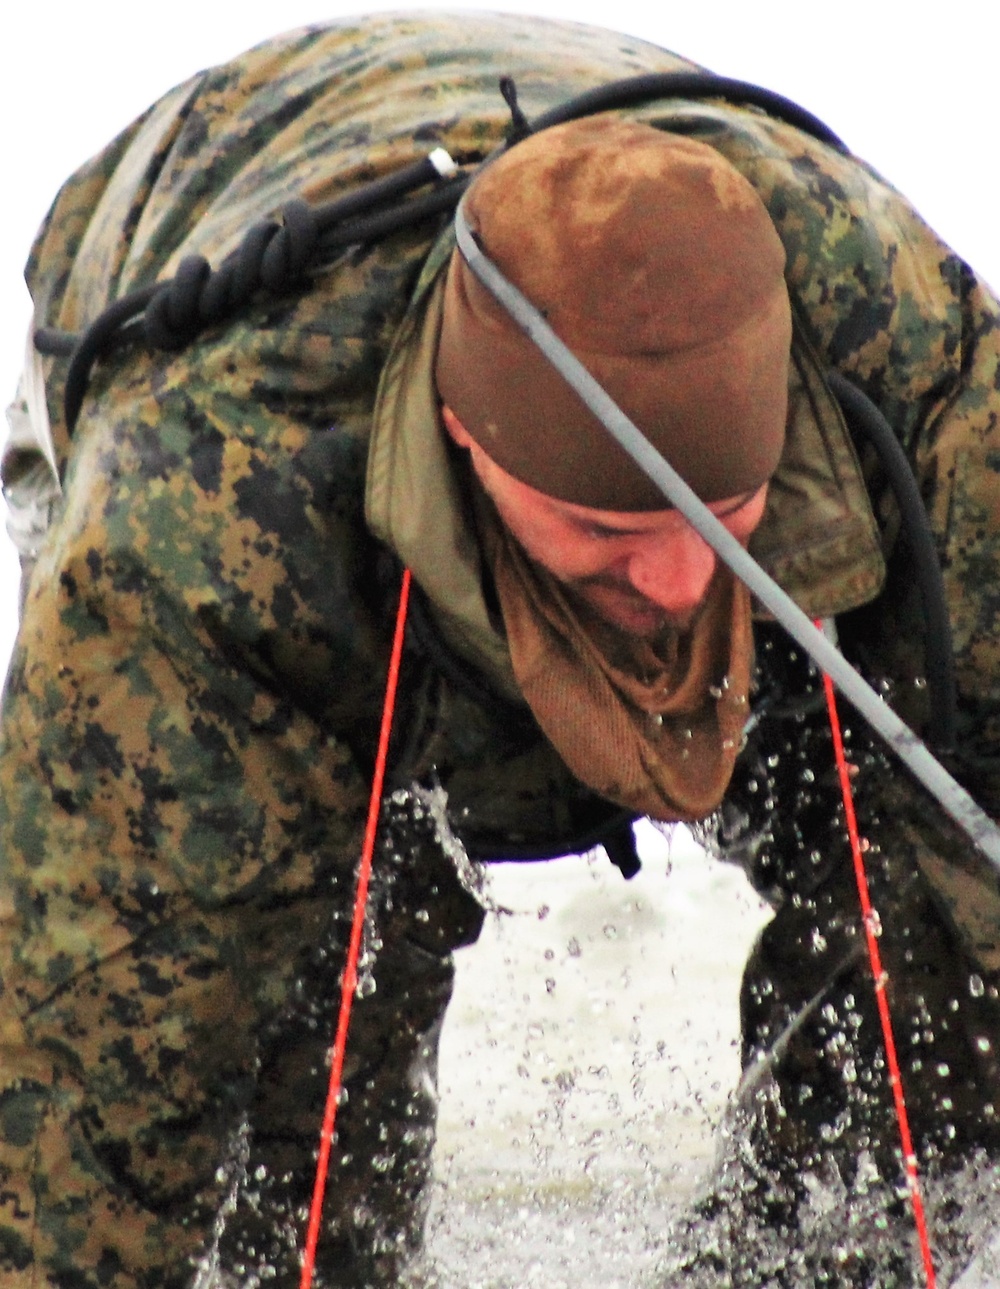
(583, 1075)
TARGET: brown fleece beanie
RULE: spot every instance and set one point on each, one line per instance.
(655, 261)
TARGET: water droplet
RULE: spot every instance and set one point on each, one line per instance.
(873, 923)
(976, 986)
(543, 912)
(610, 932)
(573, 948)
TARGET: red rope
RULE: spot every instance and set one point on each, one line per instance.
(350, 978)
(881, 979)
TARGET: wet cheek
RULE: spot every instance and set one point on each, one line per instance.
(567, 556)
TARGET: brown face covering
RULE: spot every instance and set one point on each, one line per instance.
(656, 262)
(652, 725)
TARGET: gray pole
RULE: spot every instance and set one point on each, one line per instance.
(914, 754)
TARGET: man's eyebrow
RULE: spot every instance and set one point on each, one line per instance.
(612, 530)
(737, 504)
(595, 526)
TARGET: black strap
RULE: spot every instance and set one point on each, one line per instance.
(276, 256)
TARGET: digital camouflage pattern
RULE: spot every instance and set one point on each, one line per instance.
(192, 709)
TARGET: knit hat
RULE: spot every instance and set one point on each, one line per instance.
(655, 261)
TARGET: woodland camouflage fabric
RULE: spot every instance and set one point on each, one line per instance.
(190, 719)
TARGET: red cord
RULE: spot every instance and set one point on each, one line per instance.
(881, 979)
(350, 977)
(349, 982)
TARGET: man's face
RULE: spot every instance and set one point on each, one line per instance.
(639, 571)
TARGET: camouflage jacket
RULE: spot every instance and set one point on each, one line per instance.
(197, 683)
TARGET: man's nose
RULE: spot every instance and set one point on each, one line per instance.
(676, 574)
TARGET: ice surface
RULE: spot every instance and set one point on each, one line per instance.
(586, 1061)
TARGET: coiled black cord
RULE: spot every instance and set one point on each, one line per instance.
(272, 257)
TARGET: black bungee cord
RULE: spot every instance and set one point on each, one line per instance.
(276, 255)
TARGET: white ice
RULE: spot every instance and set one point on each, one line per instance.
(586, 1062)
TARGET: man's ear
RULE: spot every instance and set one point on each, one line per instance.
(455, 427)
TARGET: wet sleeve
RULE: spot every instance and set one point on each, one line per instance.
(194, 668)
